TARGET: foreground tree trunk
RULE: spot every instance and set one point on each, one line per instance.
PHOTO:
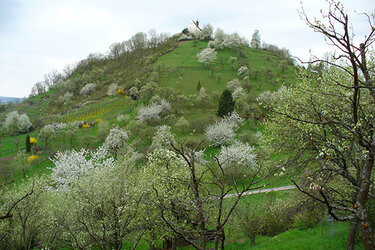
(351, 234)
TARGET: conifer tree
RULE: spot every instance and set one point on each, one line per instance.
(226, 103)
(28, 144)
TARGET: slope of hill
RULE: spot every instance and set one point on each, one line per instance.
(174, 76)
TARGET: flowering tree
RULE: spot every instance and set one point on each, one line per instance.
(233, 84)
(238, 154)
(87, 89)
(72, 165)
(112, 89)
(243, 71)
(255, 40)
(207, 56)
(327, 122)
(189, 194)
(153, 111)
(220, 133)
(116, 139)
(17, 123)
(163, 137)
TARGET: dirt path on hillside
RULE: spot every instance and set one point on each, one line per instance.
(266, 190)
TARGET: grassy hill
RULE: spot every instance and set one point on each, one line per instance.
(171, 72)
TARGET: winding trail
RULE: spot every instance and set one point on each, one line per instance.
(266, 190)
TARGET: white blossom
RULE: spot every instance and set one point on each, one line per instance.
(116, 139)
(238, 153)
(112, 89)
(121, 117)
(220, 133)
(243, 71)
(17, 123)
(87, 89)
(163, 137)
(233, 84)
(207, 56)
(72, 165)
(153, 111)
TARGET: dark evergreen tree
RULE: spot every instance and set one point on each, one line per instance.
(199, 86)
(28, 144)
(226, 103)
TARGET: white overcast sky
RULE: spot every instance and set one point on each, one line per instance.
(37, 36)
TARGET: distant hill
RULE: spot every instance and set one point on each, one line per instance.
(4, 99)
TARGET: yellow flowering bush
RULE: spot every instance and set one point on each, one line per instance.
(32, 158)
(86, 125)
(120, 92)
(33, 140)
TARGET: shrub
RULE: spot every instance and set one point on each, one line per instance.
(88, 89)
(86, 125)
(153, 111)
(122, 118)
(33, 140)
(120, 92)
(112, 89)
(32, 158)
(184, 37)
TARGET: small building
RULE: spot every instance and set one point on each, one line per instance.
(193, 27)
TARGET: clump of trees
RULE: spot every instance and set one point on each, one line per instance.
(16, 123)
(325, 123)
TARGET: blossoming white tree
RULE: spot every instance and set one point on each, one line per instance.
(116, 139)
(87, 89)
(112, 89)
(153, 111)
(207, 56)
(72, 165)
(222, 132)
(163, 137)
(17, 123)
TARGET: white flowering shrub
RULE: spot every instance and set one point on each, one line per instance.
(233, 84)
(163, 137)
(122, 118)
(72, 165)
(153, 111)
(112, 89)
(239, 154)
(116, 139)
(88, 89)
(17, 123)
(243, 71)
(220, 133)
